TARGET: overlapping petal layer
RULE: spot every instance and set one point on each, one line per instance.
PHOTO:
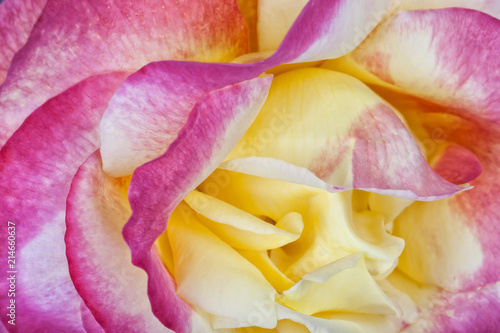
(37, 165)
(443, 56)
(114, 290)
(214, 277)
(17, 18)
(113, 35)
(446, 58)
(491, 7)
(360, 142)
(216, 123)
(442, 311)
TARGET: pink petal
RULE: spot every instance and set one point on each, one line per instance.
(214, 126)
(342, 132)
(491, 7)
(442, 311)
(38, 163)
(147, 112)
(17, 18)
(446, 56)
(110, 36)
(114, 290)
(458, 165)
(324, 29)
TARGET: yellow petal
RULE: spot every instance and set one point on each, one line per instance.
(214, 277)
(241, 229)
(344, 285)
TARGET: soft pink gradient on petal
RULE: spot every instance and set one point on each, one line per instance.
(88, 321)
(458, 165)
(387, 160)
(114, 290)
(37, 165)
(17, 18)
(214, 126)
(446, 56)
(147, 112)
(76, 39)
(468, 312)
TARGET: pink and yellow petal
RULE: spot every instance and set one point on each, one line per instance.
(114, 290)
(38, 163)
(112, 36)
(443, 311)
(360, 142)
(490, 7)
(443, 56)
(216, 123)
(322, 30)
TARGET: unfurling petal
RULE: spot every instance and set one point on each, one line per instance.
(37, 165)
(214, 126)
(360, 142)
(110, 36)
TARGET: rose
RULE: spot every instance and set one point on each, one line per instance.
(111, 273)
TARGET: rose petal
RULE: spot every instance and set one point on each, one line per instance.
(110, 36)
(359, 143)
(443, 56)
(38, 163)
(240, 229)
(331, 232)
(249, 10)
(17, 18)
(216, 123)
(146, 114)
(323, 30)
(114, 290)
(347, 282)
(213, 276)
(441, 311)
(491, 7)
(339, 322)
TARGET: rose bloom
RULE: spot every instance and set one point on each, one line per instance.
(244, 166)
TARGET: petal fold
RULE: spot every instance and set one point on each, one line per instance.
(114, 290)
(216, 123)
(37, 165)
(112, 36)
(361, 142)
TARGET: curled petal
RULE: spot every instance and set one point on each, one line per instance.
(216, 123)
(347, 282)
(114, 290)
(213, 276)
(241, 229)
(443, 56)
(110, 36)
(38, 163)
(324, 29)
(360, 142)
